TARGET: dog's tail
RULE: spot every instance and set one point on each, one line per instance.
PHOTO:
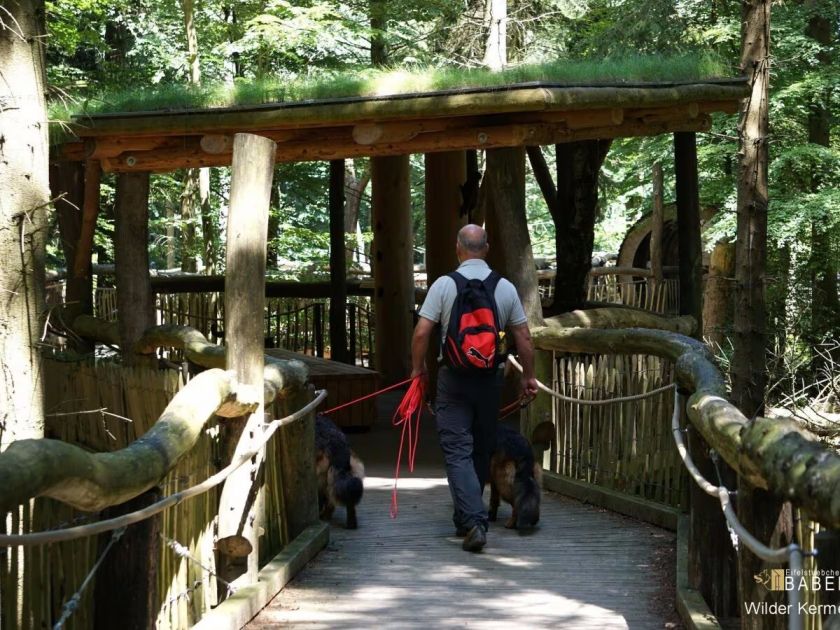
(348, 483)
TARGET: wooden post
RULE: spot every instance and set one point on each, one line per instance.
(297, 454)
(688, 227)
(135, 300)
(712, 560)
(445, 174)
(393, 269)
(656, 226)
(126, 583)
(67, 186)
(90, 210)
(338, 265)
(241, 501)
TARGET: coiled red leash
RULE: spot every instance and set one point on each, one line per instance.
(408, 415)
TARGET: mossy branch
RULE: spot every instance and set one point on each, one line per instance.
(93, 481)
(776, 454)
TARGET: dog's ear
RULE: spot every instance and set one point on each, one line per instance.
(543, 435)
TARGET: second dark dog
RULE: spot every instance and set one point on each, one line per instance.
(516, 478)
(340, 472)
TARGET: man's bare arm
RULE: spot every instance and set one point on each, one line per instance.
(525, 350)
(420, 345)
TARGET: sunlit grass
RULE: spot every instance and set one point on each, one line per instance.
(382, 82)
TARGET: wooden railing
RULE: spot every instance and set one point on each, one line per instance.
(632, 453)
(296, 324)
(630, 287)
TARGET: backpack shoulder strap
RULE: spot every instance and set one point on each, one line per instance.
(460, 281)
(491, 282)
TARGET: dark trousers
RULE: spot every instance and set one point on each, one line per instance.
(467, 410)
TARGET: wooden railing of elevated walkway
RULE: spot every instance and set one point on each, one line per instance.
(771, 454)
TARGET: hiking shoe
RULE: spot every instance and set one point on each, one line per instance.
(475, 539)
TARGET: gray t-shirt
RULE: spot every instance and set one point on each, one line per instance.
(441, 296)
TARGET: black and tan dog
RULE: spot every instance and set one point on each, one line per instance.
(340, 472)
(516, 477)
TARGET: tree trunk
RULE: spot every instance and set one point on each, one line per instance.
(24, 180)
(511, 255)
(392, 259)
(761, 513)
(241, 500)
(135, 300)
(189, 219)
(825, 306)
(578, 167)
(717, 296)
(195, 198)
(495, 51)
(748, 363)
(354, 190)
(378, 26)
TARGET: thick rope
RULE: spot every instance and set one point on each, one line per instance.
(71, 533)
(595, 403)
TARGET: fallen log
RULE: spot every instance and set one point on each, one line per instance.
(771, 454)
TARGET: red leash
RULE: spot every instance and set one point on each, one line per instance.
(372, 395)
(408, 415)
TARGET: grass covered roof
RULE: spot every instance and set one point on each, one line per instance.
(369, 82)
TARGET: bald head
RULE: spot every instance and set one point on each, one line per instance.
(472, 242)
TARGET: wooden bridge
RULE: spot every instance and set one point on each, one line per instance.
(584, 567)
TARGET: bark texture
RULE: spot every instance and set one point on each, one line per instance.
(24, 180)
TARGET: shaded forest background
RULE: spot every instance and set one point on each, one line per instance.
(96, 49)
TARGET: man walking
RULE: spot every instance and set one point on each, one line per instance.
(469, 385)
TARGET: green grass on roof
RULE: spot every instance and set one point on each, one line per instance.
(381, 82)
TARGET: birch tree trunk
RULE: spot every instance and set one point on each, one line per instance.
(495, 52)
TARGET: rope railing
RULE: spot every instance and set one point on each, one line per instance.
(71, 533)
(595, 403)
(792, 554)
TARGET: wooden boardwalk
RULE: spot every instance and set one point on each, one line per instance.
(583, 568)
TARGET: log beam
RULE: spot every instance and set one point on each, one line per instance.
(688, 226)
(135, 300)
(445, 174)
(393, 268)
(338, 266)
(241, 501)
(90, 210)
(338, 143)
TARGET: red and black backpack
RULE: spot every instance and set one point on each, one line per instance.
(473, 334)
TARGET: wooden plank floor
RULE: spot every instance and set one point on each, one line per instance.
(582, 568)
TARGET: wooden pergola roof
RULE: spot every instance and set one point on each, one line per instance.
(535, 113)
